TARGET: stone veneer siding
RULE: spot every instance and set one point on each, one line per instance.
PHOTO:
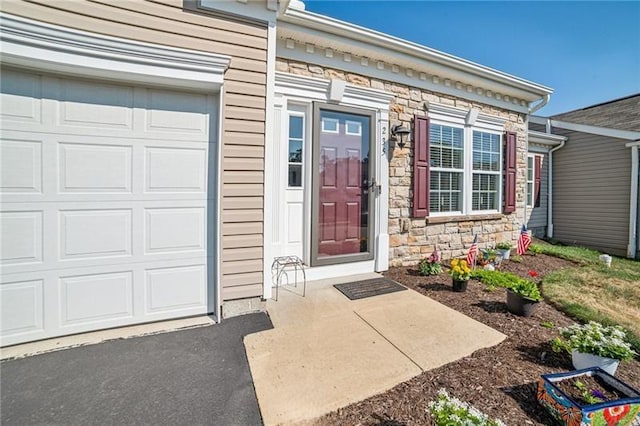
(411, 239)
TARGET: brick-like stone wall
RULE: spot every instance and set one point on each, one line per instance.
(412, 239)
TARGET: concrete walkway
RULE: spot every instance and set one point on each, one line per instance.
(198, 376)
(326, 351)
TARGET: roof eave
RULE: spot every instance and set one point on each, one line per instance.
(329, 25)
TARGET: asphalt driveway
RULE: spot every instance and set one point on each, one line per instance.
(196, 376)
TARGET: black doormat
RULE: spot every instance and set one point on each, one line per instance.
(367, 288)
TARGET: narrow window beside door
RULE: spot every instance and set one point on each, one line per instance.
(296, 146)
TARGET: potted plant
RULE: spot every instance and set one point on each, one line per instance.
(504, 250)
(523, 297)
(589, 397)
(460, 272)
(594, 345)
(431, 265)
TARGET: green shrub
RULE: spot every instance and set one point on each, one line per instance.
(429, 268)
(493, 279)
(504, 246)
(536, 249)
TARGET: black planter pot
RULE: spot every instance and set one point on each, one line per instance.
(460, 285)
(519, 305)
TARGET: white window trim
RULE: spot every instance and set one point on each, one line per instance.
(330, 120)
(468, 120)
(533, 181)
(346, 128)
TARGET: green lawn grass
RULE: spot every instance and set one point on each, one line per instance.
(593, 291)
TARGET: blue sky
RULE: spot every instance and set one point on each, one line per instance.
(588, 52)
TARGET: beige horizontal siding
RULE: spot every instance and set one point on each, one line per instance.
(241, 216)
(231, 255)
(591, 192)
(243, 151)
(166, 22)
(239, 138)
(244, 291)
(231, 204)
(246, 228)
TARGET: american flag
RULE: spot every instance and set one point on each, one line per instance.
(473, 252)
(524, 241)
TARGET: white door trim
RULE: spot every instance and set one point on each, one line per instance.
(304, 90)
(51, 48)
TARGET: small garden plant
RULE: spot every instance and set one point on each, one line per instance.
(596, 339)
(460, 270)
(450, 411)
(528, 289)
(504, 246)
(431, 265)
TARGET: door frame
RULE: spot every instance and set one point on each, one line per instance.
(315, 185)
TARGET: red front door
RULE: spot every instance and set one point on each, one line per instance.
(343, 176)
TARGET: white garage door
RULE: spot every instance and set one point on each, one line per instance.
(106, 205)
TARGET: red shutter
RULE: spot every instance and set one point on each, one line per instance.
(510, 172)
(536, 176)
(420, 167)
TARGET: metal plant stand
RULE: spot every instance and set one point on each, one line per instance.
(280, 266)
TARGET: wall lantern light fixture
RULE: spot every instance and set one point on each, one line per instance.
(400, 133)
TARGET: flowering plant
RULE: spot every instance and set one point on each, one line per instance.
(460, 270)
(448, 410)
(431, 265)
(596, 339)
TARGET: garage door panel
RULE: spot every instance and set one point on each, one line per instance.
(22, 304)
(95, 105)
(88, 167)
(174, 112)
(175, 229)
(95, 298)
(170, 289)
(176, 169)
(95, 233)
(21, 99)
(22, 238)
(20, 166)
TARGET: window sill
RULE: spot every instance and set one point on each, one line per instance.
(465, 218)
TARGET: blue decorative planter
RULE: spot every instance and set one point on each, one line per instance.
(620, 412)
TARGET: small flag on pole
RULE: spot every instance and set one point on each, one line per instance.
(473, 252)
(524, 241)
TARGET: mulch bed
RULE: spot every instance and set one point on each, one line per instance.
(501, 380)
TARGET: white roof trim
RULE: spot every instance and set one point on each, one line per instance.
(376, 40)
(45, 47)
(631, 144)
(318, 89)
(585, 128)
(545, 138)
